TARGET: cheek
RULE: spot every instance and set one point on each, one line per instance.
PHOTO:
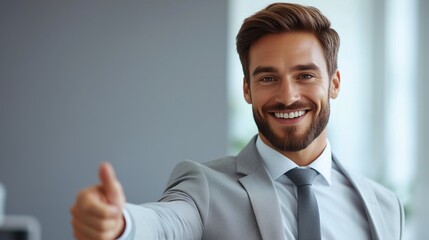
(259, 102)
(317, 90)
(260, 97)
(318, 95)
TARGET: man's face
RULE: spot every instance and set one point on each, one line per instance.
(289, 89)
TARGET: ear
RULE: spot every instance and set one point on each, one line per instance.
(246, 91)
(335, 85)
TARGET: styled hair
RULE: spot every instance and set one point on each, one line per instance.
(288, 17)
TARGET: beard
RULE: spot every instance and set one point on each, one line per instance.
(292, 140)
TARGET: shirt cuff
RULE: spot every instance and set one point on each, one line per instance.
(128, 225)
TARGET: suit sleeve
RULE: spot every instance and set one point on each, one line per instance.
(180, 212)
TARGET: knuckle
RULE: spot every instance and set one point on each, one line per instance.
(103, 226)
(99, 236)
(107, 225)
(73, 223)
(86, 203)
(75, 234)
(85, 206)
(81, 194)
(106, 235)
(72, 210)
(98, 226)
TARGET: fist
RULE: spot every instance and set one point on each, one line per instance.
(97, 211)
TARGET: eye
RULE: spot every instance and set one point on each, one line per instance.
(305, 76)
(267, 79)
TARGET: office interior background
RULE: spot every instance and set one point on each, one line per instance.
(146, 84)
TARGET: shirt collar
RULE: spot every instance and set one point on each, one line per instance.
(277, 164)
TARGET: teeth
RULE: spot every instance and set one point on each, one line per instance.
(289, 115)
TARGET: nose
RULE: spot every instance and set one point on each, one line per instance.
(287, 92)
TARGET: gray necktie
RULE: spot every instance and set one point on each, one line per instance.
(308, 211)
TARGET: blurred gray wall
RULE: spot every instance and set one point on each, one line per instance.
(141, 84)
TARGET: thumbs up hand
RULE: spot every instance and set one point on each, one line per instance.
(97, 211)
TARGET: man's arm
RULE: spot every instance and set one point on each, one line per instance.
(100, 212)
(179, 213)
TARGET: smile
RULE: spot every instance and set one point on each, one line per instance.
(289, 115)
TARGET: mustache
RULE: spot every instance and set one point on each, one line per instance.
(290, 107)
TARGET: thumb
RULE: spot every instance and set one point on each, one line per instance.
(110, 185)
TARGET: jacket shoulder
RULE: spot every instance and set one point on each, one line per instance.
(387, 199)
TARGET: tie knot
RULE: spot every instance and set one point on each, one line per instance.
(302, 176)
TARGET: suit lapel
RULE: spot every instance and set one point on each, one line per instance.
(261, 192)
(370, 203)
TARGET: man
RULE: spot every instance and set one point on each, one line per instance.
(289, 58)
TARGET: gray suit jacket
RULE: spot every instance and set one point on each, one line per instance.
(234, 198)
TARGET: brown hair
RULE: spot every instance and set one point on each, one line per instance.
(288, 17)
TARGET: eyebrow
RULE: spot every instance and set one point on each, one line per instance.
(299, 67)
(264, 69)
(304, 67)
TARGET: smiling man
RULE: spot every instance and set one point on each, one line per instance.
(286, 183)
(289, 89)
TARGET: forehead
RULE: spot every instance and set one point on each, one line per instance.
(283, 50)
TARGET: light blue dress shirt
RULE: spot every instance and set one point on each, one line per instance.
(342, 215)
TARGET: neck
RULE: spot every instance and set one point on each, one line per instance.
(307, 155)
